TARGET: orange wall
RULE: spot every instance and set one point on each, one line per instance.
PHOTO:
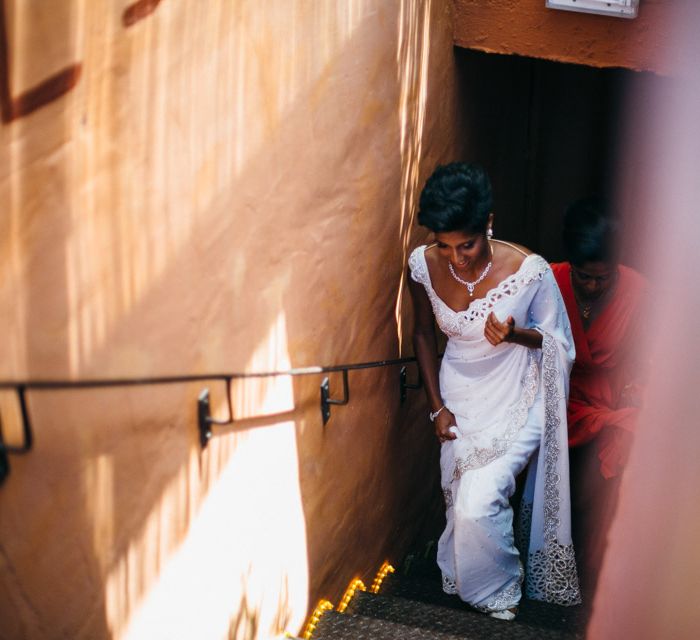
(528, 28)
(191, 187)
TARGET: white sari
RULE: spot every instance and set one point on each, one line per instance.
(510, 405)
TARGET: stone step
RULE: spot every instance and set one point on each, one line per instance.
(535, 621)
(426, 588)
(346, 626)
(421, 580)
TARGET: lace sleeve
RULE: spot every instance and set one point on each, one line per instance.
(417, 265)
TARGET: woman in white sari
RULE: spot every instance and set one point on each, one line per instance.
(498, 400)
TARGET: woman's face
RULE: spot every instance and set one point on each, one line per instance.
(462, 248)
(593, 279)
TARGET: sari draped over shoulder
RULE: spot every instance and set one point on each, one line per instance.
(509, 402)
(605, 366)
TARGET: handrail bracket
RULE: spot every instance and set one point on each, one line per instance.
(27, 438)
(327, 401)
(404, 385)
(204, 419)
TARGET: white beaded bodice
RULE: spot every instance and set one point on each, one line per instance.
(465, 323)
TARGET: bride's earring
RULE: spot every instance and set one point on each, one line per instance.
(489, 233)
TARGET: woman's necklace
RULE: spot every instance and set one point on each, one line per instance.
(470, 285)
(586, 309)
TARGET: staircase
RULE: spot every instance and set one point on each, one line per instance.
(411, 605)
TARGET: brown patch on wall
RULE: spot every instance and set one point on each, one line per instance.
(138, 11)
(528, 28)
(42, 94)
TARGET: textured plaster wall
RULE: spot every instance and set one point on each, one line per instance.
(528, 28)
(195, 187)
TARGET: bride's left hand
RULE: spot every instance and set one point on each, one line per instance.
(496, 331)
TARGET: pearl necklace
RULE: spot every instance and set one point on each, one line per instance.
(470, 285)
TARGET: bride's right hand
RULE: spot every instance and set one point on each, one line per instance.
(443, 422)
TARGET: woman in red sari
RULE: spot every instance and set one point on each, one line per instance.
(603, 299)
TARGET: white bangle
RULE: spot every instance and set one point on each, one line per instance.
(435, 414)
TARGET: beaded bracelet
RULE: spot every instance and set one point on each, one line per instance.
(435, 414)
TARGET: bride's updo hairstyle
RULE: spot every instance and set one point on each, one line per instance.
(590, 232)
(457, 197)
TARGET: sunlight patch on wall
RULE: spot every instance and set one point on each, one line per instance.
(256, 397)
(279, 53)
(41, 51)
(13, 316)
(229, 533)
(247, 544)
(412, 58)
(99, 489)
(130, 576)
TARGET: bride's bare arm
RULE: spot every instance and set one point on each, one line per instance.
(425, 348)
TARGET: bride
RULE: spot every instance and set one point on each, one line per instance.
(498, 400)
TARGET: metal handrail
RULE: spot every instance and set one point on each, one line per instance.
(123, 382)
(204, 418)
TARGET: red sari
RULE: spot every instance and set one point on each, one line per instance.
(601, 420)
(606, 367)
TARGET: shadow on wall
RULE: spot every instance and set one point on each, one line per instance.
(167, 226)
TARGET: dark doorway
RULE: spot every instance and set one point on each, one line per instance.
(548, 133)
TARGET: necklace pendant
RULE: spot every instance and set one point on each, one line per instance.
(469, 285)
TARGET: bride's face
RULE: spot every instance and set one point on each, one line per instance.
(463, 249)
